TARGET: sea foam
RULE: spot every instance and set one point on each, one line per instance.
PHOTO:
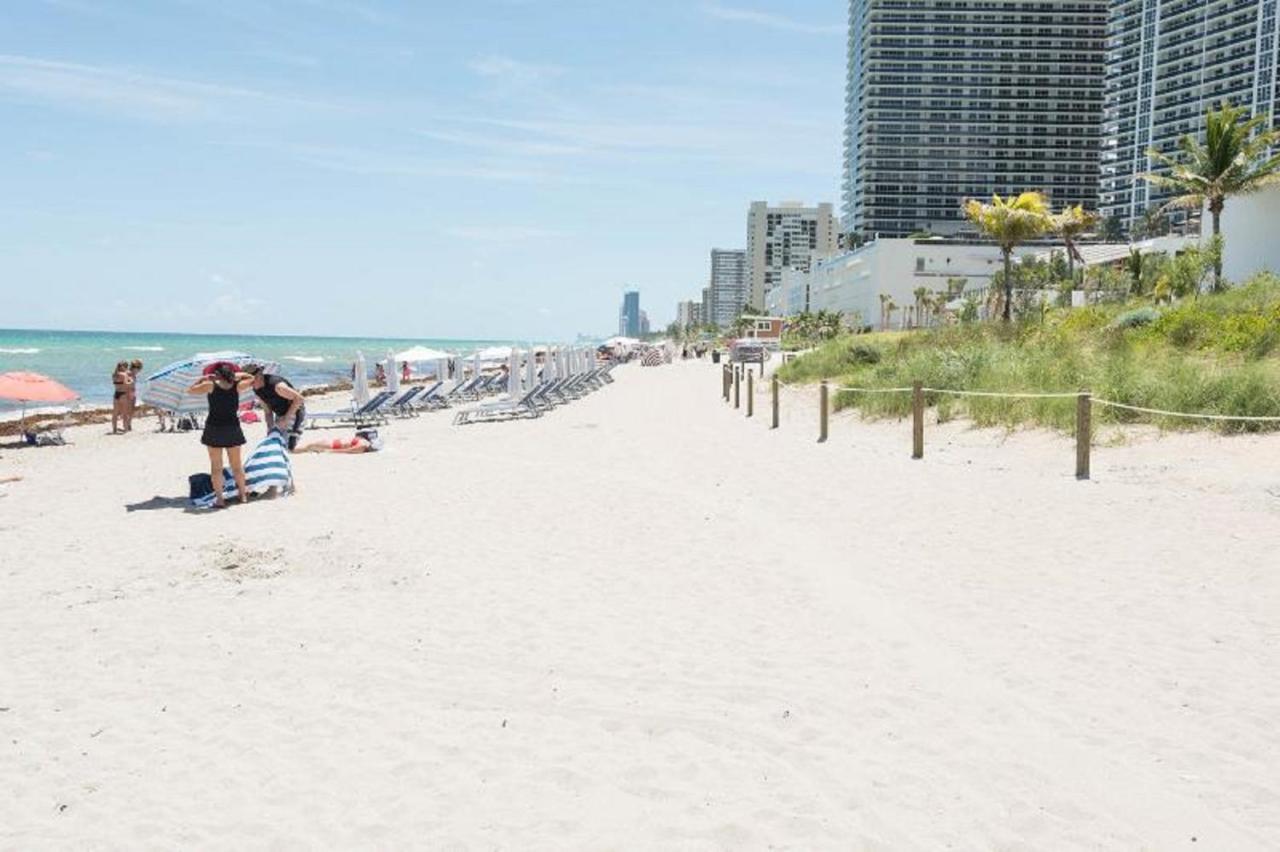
(305, 359)
(19, 351)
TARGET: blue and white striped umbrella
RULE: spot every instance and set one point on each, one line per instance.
(167, 388)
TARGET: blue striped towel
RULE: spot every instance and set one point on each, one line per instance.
(267, 467)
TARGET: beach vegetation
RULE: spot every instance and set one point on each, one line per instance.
(1217, 354)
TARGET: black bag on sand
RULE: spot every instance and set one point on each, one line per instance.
(201, 485)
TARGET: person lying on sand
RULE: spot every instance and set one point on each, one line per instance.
(363, 442)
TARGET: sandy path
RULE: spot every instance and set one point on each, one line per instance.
(643, 622)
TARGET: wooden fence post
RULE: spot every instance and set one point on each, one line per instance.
(751, 394)
(1084, 434)
(775, 402)
(917, 420)
(822, 412)
(737, 389)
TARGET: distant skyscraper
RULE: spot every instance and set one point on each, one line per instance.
(1169, 62)
(644, 325)
(728, 285)
(704, 318)
(955, 99)
(788, 236)
(629, 314)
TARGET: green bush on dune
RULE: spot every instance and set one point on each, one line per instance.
(1219, 354)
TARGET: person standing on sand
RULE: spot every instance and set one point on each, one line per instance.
(283, 404)
(222, 428)
(135, 367)
(121, 381)
(405, 373)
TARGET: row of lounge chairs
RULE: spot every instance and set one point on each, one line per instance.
(409, 403)
(541, 398)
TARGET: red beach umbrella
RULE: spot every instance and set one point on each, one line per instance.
(33, 387)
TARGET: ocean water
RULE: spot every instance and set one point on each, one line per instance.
(84, 360)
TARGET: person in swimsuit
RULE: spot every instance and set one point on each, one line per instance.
(363, 442)
(405, 373)
(283, 404)
(135, 367)
(121, 381)
(222, 431)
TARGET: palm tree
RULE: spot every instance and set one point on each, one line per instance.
(1071, 224)
(884, 312)
(1010, 222)
(920, 293)
(1234, 159)
(1133, 264)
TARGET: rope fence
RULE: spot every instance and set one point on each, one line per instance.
(733, 375)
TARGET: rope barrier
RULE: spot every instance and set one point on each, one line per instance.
(1160, 412)
(1003, 395)
(874, 390)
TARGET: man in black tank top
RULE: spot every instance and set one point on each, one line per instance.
(283, 404)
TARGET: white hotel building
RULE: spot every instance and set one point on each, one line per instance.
(1168, 62)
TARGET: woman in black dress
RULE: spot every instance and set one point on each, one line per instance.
(222, 429)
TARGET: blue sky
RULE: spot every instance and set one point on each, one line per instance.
(490, 168)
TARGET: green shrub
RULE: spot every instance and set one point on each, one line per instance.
(1136, 318)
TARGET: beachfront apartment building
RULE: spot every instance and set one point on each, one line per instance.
(629, 315)
(789, 235)
(953, 99)
(728, 285)
(1168, 63)
(689, 314)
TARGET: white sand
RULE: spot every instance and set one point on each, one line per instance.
(644, 622)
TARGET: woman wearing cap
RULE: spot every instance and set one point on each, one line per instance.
(222, 431)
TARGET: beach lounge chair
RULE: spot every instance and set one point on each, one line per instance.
(431, 398)
(371, 413)
(466, 390)
(403, 404)
(489, 412)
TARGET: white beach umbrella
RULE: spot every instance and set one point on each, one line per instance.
(495, 353)
(530, 370)
(167, 388)
(513, 373)
(442, 370)
(420, 355)
(549, 372)
(393, 374)
(562, 363)
(475, 365)
(360, 385)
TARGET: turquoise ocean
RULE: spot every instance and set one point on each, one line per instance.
(83, 360)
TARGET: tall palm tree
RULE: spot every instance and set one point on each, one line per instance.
(1071, 224)
(920, 293)
(1010, 222)
(1235, 159)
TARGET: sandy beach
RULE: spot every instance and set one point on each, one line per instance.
(645, 622)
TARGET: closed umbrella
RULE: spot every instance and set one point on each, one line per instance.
(393, 374)
(475, 365)
(167, 388)
(530, 370)
(513, 373)
(360, 386)
(33, 387)
(442, 370)
(549, 366)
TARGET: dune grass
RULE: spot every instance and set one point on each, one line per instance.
(1219, 354)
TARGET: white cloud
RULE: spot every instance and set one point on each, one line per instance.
(513, 71)
(123, 91)
(769, 19)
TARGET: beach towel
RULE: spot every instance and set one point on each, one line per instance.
(267, 467)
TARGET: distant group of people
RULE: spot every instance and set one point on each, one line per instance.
(124, 399)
